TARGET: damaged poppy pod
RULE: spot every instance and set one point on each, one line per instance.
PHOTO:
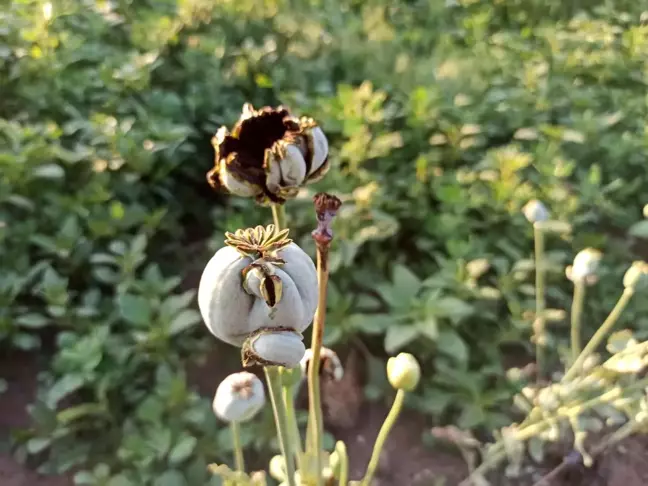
(260, 293)
(268, 155)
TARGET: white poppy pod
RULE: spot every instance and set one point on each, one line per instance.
(239, 397)
(260, 293)
(586, 264)
(535, 212)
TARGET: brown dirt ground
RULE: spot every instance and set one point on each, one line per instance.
(406, 461)
(20, 370)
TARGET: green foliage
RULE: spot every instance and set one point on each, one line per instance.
(444, 118)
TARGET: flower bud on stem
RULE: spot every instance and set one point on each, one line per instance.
(326, 206)
(382, 436)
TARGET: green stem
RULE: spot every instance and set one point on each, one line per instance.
(539, 325)
(279, 216)
(274, 386)
(382, 436)
(576, 314)
(291, 417)
(340, 447)
(238, 450)
(315, 422)
(600, 334)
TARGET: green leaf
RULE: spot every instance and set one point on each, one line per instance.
(451, 344)
(370, 323)
(451, 307)
(120, 480)
(74, 413)
(33, 321)
(38, 444)
(398, 336)
(182, 450)
(135, 309)
(471, 416)
(63, 387)
(49, 171)
(639, 229)
(83, 478)
(184, 320)
(171, 478)
(26, 342)
(405, 284)
(429, 328)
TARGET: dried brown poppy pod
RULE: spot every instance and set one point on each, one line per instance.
(269, 155)
(260, 293)
(330, 365)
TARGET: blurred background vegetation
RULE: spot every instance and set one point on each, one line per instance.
(444, 119)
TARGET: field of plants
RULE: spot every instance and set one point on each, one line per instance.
(444, 119)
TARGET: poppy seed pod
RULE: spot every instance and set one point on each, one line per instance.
(260, 293)
(269, 154)
(329, 366)
(239, 397)
(534, 211)
(585, 266)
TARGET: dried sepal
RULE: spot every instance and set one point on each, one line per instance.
(259, 242)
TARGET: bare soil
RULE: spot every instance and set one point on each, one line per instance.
(20, 370)
(405, 461)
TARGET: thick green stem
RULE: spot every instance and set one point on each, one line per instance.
(539, 324)
(382, 437)
(274, 386)
(279, 216)
(315, 421)
(600, 334)
(238, 450)
(340, 447)
(576, 314)
(295, 436)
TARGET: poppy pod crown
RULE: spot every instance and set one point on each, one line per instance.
(269, 155)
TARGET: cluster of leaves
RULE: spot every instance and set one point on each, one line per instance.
(444, 119)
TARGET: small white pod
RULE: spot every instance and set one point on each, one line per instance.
(239, 397)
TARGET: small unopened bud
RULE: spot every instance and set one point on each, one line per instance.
(403, 372)
(477, 268)
(239, 397)
(329, 367)
(534, 211)
(585, 265)
(645, 211)
(636, 277)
